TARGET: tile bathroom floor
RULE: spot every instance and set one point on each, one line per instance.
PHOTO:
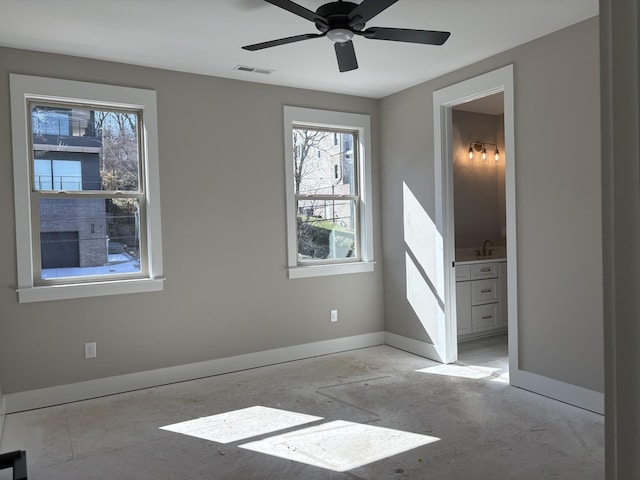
(475, 424)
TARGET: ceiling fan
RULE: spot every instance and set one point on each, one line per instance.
(340, 21)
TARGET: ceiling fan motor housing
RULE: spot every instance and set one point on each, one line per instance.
(337, 15)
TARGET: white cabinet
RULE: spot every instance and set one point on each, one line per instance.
(483, 270)
(481, 298)
(463, 312)
(484, 317)
(463, 272)
(484, 291)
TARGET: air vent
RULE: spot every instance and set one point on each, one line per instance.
(263, 71)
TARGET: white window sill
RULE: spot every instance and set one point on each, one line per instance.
(333, 269)
(82, 290)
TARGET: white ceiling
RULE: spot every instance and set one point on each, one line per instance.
(206, 36)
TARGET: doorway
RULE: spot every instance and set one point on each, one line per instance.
(444, 101)
(480, 241)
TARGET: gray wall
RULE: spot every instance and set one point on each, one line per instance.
(479, 210)
(557, 137)
(223, 204)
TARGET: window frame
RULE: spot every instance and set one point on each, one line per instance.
(25, 90)
(296, 117)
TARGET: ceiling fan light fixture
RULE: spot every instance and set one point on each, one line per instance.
(340, 35)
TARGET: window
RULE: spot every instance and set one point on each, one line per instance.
(57, 174)
(329, 218)
(86, 189)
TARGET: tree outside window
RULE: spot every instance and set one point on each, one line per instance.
(326, 195)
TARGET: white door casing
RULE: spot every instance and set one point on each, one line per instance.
(444, 100)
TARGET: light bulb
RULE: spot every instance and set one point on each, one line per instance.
(497, 155)
(484, 153)
(340, 35)
(470, 152)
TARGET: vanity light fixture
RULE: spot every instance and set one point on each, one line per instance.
(482, 147)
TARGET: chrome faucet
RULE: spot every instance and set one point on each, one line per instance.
(484, 248)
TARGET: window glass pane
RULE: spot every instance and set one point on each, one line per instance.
(103, 142)
(120, 150)
(96, 236)
(43, 175)
(50, 120)
(326, 229)
(323, 162)
(58, 174)
(67, 175)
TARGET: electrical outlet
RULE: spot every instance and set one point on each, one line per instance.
(334, 316)
(90, 350)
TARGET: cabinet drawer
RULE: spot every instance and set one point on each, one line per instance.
(484, 270)
(463, 272)
(484, 291)
(484, 317)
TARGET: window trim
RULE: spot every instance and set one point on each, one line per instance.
(25, 88)
(313, 118)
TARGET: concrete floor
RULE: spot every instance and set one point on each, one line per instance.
(485, 429)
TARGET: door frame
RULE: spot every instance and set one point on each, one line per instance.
(496, 81)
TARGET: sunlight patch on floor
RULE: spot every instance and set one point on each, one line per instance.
(340, 445)
(501, 378)
(241, 424)
(337, 445)
(474, 372)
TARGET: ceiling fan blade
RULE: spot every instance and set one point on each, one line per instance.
(298, 10)
(282, 41)
(427, 37)
(367, 10)
(346, 55)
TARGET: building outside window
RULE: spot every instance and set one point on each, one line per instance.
(91, 165)
(56, 174)
(89, 232)
(50, 121)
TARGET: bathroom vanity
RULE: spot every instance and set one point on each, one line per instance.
(481, 297)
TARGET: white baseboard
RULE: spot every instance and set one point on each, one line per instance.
(411, 345)
(564, 392)
(46, 397)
